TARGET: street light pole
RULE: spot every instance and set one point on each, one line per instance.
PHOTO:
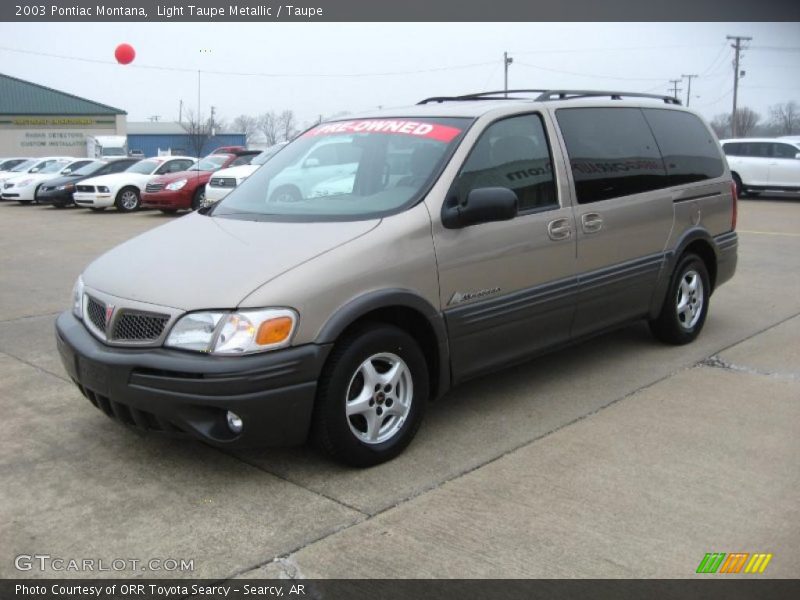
(507, 60)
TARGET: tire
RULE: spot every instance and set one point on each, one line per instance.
(686, 305)
(741, 192)
(128, 199)
(286, 193)
(391, 414)
(199, 197)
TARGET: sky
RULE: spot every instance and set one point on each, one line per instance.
(327, 68)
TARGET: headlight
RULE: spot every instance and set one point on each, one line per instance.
(241, 332)
(66, 188)
(77, 298)
(102, 189)
(176, 185)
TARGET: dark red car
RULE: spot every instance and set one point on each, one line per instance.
(187, 189)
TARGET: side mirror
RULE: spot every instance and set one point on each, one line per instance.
(66, 171)
(797, 155)
(482, 205)
(311, 162)
(34, 170)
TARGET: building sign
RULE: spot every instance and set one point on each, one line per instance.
(72, 122)
(52, 139)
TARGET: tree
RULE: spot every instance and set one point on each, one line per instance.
(746, 120)
(785, 118)
(267, 123)
(246, 124)
(721, 125)
(199, 130)
(287, 125)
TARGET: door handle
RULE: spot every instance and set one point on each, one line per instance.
(559, 229)
(591, 222)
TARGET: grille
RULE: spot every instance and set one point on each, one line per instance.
(129, 415)
(223, 182)
(96, 311)
(85, 188)
(153, 187)
(139, 327)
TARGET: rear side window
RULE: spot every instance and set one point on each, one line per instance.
(757, 149)
(612, 152)
(689, 151)
(784, 151)
(512, 153)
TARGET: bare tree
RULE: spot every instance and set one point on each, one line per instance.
(287, 125)
(746, 120)
(267, 124)
(785, 118)
(246, 124)
(721, 124)
(199, 130)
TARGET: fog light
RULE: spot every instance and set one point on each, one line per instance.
(234, 422)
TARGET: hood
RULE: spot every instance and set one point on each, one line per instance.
(107, 180)
(240, 171)
(65, 179)
(199, 262)
(200, 176)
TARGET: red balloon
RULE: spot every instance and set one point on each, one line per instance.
(124, 54)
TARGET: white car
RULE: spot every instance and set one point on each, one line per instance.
(22, 187)
(6, 164)
(224, 180)
(33, 165)
(762, 164)
(123, 190)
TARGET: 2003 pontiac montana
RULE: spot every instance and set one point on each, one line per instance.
(375, 262)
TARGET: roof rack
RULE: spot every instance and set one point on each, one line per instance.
(545, 95)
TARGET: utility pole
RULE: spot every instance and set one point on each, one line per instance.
(689, 87)
(737, 46)
(180, 111)
(213, 110)
(507, 60)
(675, 88)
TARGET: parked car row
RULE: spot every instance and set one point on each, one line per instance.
(167, 183)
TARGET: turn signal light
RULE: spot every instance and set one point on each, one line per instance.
(274, 331)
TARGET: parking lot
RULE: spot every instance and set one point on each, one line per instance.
(620, 457)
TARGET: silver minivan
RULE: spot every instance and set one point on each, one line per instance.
(421, 247)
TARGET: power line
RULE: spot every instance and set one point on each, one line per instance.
(246, 74)
(530, 66)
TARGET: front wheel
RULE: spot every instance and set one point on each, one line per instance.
(127, 199)
(685, 308)
(371, 396)
(199, 198)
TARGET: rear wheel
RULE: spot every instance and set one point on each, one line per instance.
(127, 199)
(685, 308)
(371, 396)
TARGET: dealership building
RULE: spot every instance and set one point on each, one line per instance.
(36, 120)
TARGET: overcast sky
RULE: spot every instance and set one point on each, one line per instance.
(326, 68)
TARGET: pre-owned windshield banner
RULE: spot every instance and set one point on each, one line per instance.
(432, 131)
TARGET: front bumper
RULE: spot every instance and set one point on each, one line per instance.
(25, 194)
(168, 199)
(188, 394)
(54, 197)
(97, 200)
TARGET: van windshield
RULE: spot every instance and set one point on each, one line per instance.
(347, 170)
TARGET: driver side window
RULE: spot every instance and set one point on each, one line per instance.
(512, 153)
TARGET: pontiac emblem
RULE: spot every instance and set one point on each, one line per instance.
(109, 312)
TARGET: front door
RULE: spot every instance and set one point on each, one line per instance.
(507, 288)
(784, 168)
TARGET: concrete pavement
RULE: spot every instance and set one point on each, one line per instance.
(619, 457)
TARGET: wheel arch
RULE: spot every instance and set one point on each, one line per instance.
(698, 241)
(407, 310)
